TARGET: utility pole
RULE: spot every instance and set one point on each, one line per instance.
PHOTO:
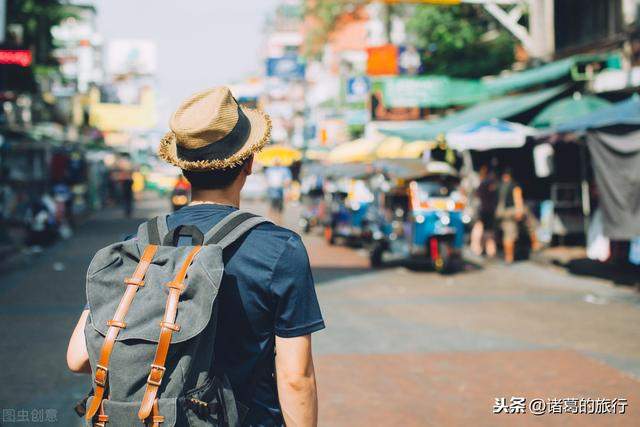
(3, 20)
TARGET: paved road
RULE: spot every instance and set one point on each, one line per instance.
(402, 346)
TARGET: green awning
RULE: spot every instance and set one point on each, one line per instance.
(568, 109)
(500, 108)
(536, 76)
(431, 91)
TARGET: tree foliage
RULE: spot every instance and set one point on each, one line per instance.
(460, 41)
(324, 15)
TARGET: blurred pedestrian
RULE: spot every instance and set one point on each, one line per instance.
(512, 212)
(278, 180)
(124, 178)
(483, 231)
(509, 210)
(266, 308)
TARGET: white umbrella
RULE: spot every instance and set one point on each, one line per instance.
(490, 134)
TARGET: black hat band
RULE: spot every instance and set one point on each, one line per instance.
(223, 148)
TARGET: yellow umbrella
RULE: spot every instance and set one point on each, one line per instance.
(360, 150)
(390, 148)
(280, 154)
(415, 149)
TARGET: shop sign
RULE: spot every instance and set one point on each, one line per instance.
(358, 88)
(15, 57)
(285, 67)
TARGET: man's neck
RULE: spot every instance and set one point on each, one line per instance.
(227, 196)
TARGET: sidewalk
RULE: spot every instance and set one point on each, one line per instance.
(576, 262)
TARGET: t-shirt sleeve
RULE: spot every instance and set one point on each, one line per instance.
(297, 311)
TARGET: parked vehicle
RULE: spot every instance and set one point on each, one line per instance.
(422, 216)
(348, 218)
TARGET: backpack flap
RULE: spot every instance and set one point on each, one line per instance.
(112, 265)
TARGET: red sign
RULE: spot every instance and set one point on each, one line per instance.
(15, 57)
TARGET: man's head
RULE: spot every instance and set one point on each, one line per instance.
(506, 175)
(220, 179)
(213, 139)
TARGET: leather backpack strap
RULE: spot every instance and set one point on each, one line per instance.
(167, 327)
(115, 324)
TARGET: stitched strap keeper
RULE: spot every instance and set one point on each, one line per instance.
(116, 323)
(176, 285)
(173, 326)
(134, 281)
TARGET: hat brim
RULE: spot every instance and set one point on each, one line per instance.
(258, 137)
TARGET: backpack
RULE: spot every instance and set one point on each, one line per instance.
(152, 327)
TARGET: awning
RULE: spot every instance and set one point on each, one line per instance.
(488, 135)
(536, 76)
(568, 109)
(431, 91)
(501, 108)
(390, 148)
(360, 150)
(619, 114)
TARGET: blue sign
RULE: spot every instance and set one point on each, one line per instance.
(358, 88)
(410, 61)
(285, 67)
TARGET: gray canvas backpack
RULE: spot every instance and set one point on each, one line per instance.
(152, 328)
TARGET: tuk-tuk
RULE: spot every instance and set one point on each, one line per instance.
(312, 198)
(348, 207)
(422, 216)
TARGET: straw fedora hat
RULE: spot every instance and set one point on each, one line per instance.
(211, 131)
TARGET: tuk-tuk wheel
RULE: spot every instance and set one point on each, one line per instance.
(375, 256)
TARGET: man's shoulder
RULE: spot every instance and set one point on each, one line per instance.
(275, 234)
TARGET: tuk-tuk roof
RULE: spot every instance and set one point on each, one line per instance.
(431, 169)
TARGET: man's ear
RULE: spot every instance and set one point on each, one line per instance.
(248, 167)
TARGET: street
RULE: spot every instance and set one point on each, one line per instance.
(403, 346)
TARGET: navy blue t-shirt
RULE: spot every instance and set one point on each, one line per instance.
(267, 289)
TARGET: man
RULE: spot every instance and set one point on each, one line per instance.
(511, 211)
(267, 301)
(483, 229)
(278, 178)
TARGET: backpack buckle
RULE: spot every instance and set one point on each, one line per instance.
(100, 377)
(156, 374)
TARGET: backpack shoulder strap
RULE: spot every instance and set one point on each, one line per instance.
(153, 231)
(232, 227)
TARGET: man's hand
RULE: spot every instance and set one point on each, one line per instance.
(296, 381)
(77, 355)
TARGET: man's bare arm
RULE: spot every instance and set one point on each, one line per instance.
(77, 355)
(296, 381)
